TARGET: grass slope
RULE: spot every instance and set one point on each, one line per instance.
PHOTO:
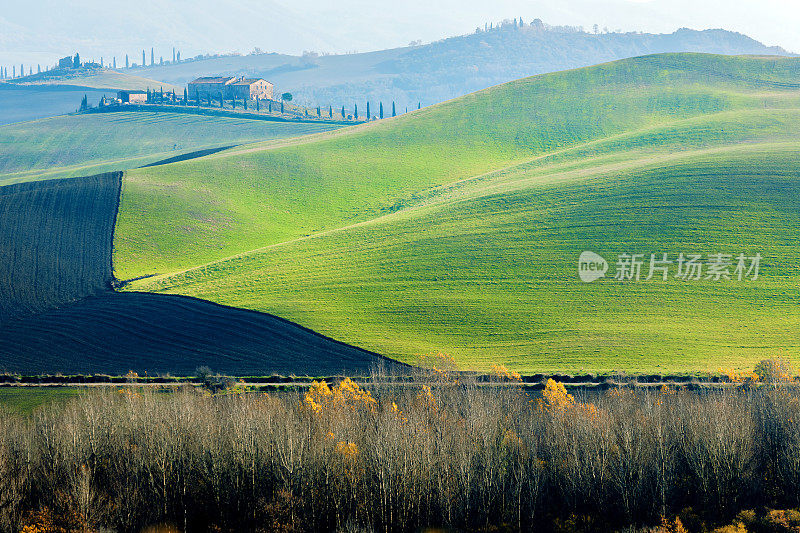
(458, 227)
(79, 145)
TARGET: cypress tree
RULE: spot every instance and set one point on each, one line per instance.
(381, 110)
(179, 57)
(281, 106)
(355, 112)
(369, 116)
(394, 111)
(245, 104)
(319, 113)
(161, 60)
(270, 106)
(21, 70)
(38, 69)
(185, 96)
(152, 57)
(13, 71)
(258, 105)
(144, 61)
(101, 62)
(343, 112)
(419, 105)
(114, 63)
(221, 100)
(173, 54)
(127, 64)
(233, 101)
(330, 111)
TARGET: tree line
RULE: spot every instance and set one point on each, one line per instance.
(439, 451)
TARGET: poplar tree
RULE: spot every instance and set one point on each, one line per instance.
(381, 110)
(394, 111)
(369, 116)
(127, 64)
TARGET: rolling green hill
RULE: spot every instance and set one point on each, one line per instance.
(458, 227)
(80, 145)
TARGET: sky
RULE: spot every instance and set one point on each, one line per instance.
(40, 31)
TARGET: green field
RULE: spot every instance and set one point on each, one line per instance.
(25, 400)
(458, 227)
(79, 145)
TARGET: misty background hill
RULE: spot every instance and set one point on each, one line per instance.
(451, 67)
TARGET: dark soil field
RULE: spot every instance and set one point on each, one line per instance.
(120, 332)
(55, 242)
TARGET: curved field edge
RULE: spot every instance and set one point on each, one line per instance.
(59, 313)
(149, 333)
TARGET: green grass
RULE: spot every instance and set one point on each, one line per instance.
(458, 228)
(79, 145)
(25, 400)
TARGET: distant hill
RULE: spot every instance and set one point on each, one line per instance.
(452, 67)
(52, 93)
(94, 78)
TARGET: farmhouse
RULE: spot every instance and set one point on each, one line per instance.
(251, 89)
(230, 87)
(210, 86)
(132, 97)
